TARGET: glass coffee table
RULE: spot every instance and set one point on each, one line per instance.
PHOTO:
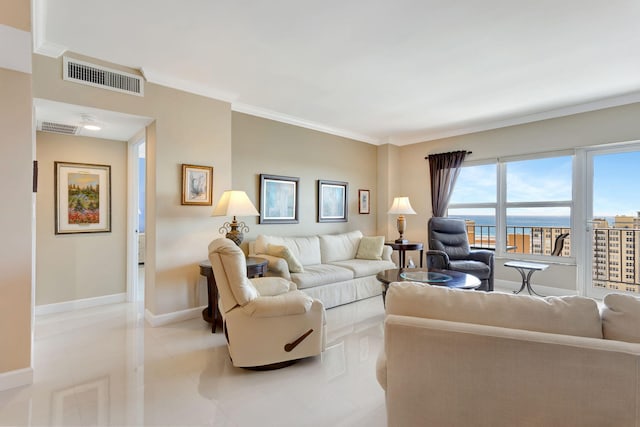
(432, 276)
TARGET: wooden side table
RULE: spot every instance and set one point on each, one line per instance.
(256, 267)
(403, 247)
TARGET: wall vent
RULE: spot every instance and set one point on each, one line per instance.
(99, 76)
(58, 128)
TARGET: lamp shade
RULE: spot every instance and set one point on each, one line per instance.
(235, 203)
(401, 206)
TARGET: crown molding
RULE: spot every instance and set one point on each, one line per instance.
(279, 117)
(39, 30)
(153, 76)
(600, 104)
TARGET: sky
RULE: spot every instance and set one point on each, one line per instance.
(615, 180)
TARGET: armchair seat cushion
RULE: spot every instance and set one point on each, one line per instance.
(475, 268)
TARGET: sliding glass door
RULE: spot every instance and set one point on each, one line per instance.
(612, 228)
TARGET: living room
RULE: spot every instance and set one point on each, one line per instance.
(186, 128)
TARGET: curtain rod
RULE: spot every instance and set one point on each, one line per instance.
(467, 152)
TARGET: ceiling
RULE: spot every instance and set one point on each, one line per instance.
(377, 71)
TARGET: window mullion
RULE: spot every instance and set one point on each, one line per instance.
(501, 212)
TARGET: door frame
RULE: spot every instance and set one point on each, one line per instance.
(133, 206)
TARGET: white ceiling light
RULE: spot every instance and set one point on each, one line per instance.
(89, 123)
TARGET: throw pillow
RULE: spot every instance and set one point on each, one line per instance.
(370, 248)
(621, 318)
(285, 253)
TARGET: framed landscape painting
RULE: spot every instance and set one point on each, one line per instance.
(82, 198)
(332, 201)
(278, 199)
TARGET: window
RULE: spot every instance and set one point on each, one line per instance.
(528, 200)
(474, 200)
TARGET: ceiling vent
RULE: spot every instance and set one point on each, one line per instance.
(99, 76)
(58, 128)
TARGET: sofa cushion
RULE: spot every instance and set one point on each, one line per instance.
(571, 315)
(321, 274)
(621, 318)
(285, 253)
(339, 247)
(305, 249)
(370, 247)
(365, 267)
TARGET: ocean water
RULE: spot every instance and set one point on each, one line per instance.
(521, 221)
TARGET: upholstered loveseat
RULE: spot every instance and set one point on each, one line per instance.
(460, 358)
(334, 268)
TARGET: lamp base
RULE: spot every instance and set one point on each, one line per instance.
(403, 241)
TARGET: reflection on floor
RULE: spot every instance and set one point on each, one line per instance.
(105, 366)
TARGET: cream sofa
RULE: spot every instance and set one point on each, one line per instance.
(460, 358)
(333, 268)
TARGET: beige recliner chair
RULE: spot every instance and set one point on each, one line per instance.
(267, 321)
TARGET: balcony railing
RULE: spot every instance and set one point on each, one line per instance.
(520, 239)
(606, 252)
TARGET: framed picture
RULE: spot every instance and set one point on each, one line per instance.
(332, 201)
(82, 198)
(278, 199)
(363, 201)
(197, 185)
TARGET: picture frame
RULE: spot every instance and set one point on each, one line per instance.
(332, 201)
(197, 185)
(82, 198)
(279, 199)
(364, 200)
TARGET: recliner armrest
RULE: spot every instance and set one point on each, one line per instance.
(287, 304)
(482, 255)
(437, 259)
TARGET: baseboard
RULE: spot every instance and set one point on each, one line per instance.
(79, 304)
(17, 378)
(509, 286)
(176, 316)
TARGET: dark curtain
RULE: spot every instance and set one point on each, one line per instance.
(444, 169)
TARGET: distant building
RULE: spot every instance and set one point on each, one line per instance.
(616, 254)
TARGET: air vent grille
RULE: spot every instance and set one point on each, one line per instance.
(98, 76)
(59, 128)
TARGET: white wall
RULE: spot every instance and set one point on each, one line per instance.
(87, 265)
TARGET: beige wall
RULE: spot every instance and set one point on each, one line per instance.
(16, 155)
(72, 266)
(274, 148)
(188, 129)
(611, 125)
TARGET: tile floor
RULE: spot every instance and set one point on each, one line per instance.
(105, 366)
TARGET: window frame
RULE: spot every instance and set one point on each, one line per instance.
(501, 205)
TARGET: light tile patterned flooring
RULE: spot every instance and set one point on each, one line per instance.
(105, 366)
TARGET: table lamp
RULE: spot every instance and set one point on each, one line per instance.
(234, 203)
(401, 207)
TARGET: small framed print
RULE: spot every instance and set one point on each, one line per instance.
(82, 198)
(197, 185)
(363, 202)
(332, 201)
